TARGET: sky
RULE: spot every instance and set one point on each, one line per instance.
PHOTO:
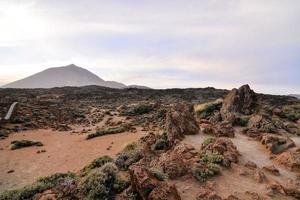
(157, 43)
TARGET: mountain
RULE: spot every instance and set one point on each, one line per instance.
(70, 75)
(295, 95)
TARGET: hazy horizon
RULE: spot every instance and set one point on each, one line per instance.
(170, 44)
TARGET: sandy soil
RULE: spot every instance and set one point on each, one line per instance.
(64, 152)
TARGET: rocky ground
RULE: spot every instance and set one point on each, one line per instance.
(160, 144)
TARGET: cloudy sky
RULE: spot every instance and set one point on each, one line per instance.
(158, 43)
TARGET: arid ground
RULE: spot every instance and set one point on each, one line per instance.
(99, 143)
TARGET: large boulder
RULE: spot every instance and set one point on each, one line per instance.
(242, 100)
(180, 121)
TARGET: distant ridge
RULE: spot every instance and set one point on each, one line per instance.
(295, 95)
(70, 75)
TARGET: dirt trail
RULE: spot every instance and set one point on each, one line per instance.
(230, 182)
(64, 152)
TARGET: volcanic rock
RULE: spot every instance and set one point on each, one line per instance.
(242, 100)
(277, 144)
(179, 122)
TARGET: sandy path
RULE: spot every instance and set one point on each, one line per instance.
(64, 152)
(231, 182)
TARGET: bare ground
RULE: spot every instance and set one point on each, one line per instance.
(64, 152)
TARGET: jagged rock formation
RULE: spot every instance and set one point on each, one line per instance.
(179, 122)
(242, 100)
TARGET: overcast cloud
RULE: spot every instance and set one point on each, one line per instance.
(161, 44)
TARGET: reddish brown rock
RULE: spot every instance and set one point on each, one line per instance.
(224, 147)
(259, 176)
(207, 194)
(290, 159)
(148, 187)
(180, 121)
(164, 192)
(177, 161)
(272, 169)
(223, 129)
(242, 100)
(47, 195)
(251, 165)
(276, 143)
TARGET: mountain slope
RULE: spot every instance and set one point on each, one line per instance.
(70, 75)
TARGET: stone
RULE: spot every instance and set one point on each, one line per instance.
(242, 100)
(272, 169)
(180, 121)
(277, 144)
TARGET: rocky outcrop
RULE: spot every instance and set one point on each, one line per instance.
(277, 144)
(148, 187)
(180, 121)
(290, 159)
(177, 161)
(242, 100)
(223, 129)
(224, 147)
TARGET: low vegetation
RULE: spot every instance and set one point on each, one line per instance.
(97, 163)
(158, 174)
(42, 184)
(129, 155)
(204, 172)
(17, 144)
(112, 130)
(207, 109)
(138, 109)
(102, 183)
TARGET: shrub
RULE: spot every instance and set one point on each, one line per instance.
(129, 155)
(101, 184)
(206, 109)
(208, 140)
(241, 121)
(39, 186)
(97, 163)
(201, 174)
(212, 158)
(17, 144)
(139, 109)
(160, 144)
(158, 174)
(112, 130)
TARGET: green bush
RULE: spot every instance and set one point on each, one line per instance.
(97, 163)
(211, 169)
(39, 186)
(139, 109)
(207, 109)
(112, 130)
(17, 144)
(158, 174)
(160, 144)
(130, 147)
(208, 140)
(241, 121)
(212, 158)
(129, 155)
(100, 184)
